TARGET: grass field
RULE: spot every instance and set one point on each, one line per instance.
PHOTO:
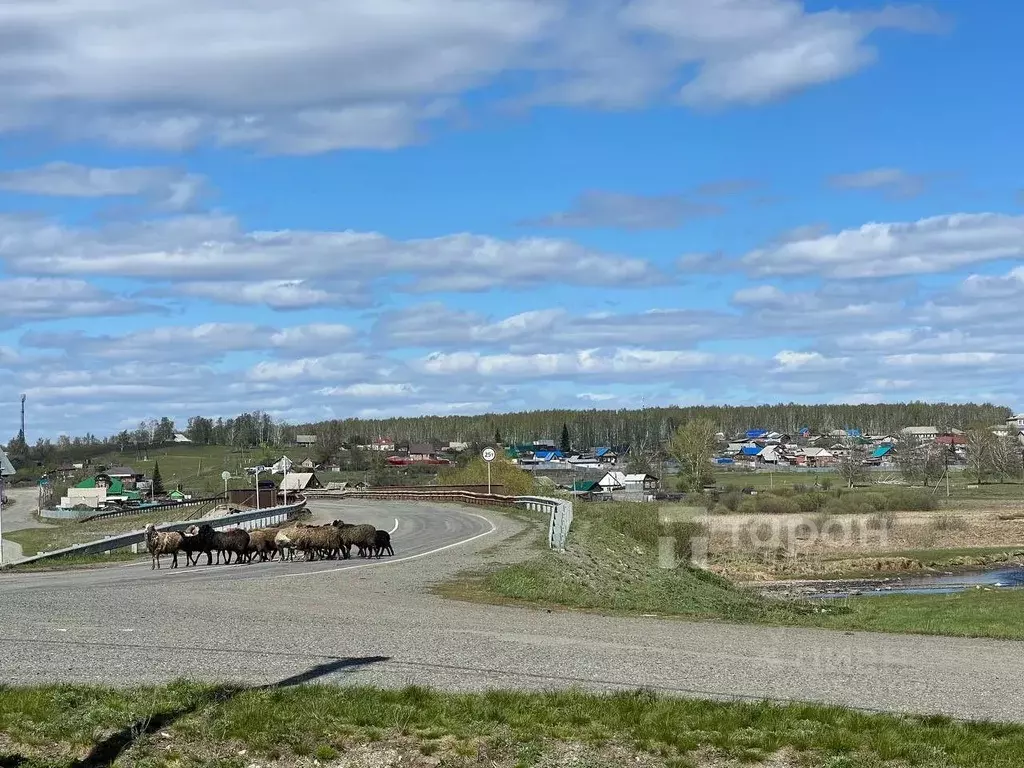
(185, 725)
(961, 485)
(66, 534)
(611, 566)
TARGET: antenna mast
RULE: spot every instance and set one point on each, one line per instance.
(23, 417)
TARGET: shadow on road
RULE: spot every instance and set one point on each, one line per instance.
(105, 752)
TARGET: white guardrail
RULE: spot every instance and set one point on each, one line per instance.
(136, 540)
(559, 510)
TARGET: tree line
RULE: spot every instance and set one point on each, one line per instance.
(568, 429)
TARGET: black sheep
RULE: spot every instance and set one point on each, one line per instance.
(197, 539)
(382, 543)
(234, 540)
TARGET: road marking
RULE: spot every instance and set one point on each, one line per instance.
(397, 559)
(395, 528)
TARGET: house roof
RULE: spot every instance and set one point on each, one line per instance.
(881, 451)
(422, 448)
(121, 472)
(750, 450)
(823, 453)
(639, 477)
(548, 455)
(305, 438)
(297, 481)
(116, 486)
(585, 486)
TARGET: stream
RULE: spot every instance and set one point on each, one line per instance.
(933, 584)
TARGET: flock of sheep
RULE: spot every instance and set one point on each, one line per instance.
(329, 541)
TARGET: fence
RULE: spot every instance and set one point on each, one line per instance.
(148, 509)
(136, 540)
(559, 510)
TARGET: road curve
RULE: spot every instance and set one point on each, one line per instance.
(377, 624)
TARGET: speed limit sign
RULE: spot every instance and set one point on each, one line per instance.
(488, 454)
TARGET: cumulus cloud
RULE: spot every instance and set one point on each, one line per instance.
(597, 209)
(165, 187)
(623, 364)
(173, 74)
(26, 299)
(208, 342)
(281, 295)
(194, 249)
(435, 325)
(928, 246)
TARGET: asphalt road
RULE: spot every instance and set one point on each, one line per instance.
(376, 623)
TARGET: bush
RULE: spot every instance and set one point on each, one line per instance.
(775, 505)
(811, 502)
(731, 500)
(949, 523)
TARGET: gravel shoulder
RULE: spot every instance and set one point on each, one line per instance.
(265, 624)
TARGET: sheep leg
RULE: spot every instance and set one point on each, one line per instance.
(174, 562)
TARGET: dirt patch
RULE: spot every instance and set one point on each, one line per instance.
(765, 547)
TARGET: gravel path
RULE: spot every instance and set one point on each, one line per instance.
(375, 623)
(18, 517)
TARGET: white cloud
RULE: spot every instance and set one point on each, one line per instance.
(606, 365)
(166, 187)
(282, 295)
(204, 343)
(895, 182)
(27, 299)
(435, 326)
(192, 249)
(932, 245)
(370, 74)
(597, 209)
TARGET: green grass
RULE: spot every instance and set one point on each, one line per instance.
(68, 533)
(611, 566)
(77, 561)
(185, 724)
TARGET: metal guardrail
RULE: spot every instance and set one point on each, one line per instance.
(135, 511)
(256, 518)
(559, 510)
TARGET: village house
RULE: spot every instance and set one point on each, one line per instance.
(128, 477)
(305, 441)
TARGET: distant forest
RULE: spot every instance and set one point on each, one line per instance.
(586, 429)
(652, 425)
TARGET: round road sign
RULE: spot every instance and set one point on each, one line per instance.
(225, 475)
(488, 454)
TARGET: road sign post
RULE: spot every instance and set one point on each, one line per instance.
(488, 456)
(225, 476)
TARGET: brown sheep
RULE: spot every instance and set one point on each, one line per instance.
(362, 536)
(262, 543)
(162, 543)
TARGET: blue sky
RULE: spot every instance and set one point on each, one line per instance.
(377, 209)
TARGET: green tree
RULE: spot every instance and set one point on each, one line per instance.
(158, 482)
(513, 480)
(566, 443)
(693, 446)
(497, 436)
